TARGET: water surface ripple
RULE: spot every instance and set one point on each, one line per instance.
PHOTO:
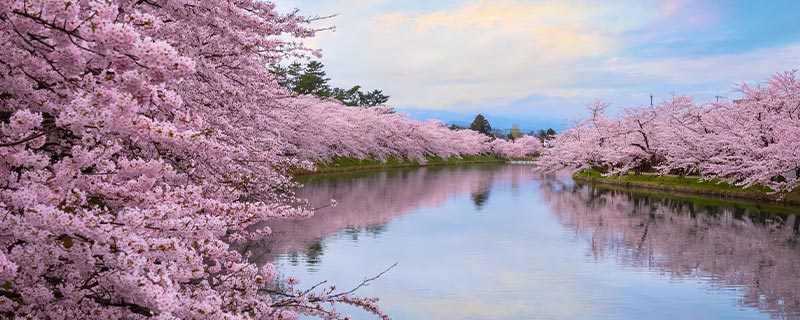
(504, 242)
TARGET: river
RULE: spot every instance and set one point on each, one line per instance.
(506, 242)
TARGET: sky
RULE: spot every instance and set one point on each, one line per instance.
(539, 63)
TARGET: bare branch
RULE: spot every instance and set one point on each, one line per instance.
(365, 282)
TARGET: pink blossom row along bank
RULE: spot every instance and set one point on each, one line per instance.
(140, 139)
(746, 142)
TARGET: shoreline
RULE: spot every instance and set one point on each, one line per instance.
(352, 164)
(690, 186)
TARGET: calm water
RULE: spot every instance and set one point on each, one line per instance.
(503, 242)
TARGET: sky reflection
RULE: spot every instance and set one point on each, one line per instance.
(536, 247)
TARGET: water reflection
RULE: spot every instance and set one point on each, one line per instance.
(479, 196)
(735, 246)
(502, 242)
(366, 201)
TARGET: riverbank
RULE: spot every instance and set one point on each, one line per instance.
(352, 164)
(690, 185)
(700, 202)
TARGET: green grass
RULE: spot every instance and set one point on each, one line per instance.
(689, 185)
(699, 201)
(353, 164)
(690, 181)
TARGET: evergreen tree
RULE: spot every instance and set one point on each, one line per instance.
(374, 98)
(545, 135)
(481, 125)
(312, 79)
(350, 97)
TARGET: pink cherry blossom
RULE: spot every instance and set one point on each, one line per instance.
(745, 142)
(141, 139)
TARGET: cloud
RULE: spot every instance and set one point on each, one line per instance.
(493, 56)
(481, 53)
(558, 26)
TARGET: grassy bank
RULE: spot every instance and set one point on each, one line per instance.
(689, 185)
(701, 202)
(352, 164)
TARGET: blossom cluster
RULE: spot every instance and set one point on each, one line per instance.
(134, 154)
(746, 142)
(526, 146)
(141, 140)
(323, 130)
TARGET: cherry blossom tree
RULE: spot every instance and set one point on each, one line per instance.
(525, 146)
(684, 135)
(757, 138)
(137, 143)
(141, 139)
(582, 146)
(323, 130)
(747, 142)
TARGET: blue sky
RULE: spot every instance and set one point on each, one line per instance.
(538, 63)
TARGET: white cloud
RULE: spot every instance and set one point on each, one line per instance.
(489, 54)
(477, 54)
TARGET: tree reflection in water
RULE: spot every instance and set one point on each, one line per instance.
(756, 253)
(367, 201)
(480, 196)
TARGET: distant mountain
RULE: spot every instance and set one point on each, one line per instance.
(498, 122)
